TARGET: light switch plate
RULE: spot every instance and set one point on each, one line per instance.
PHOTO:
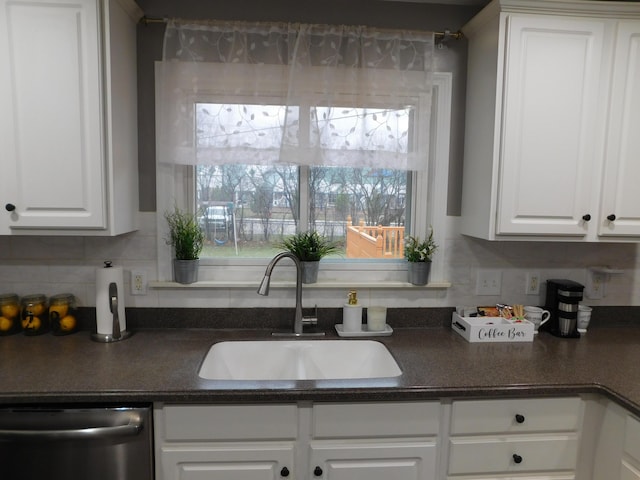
(489, 282)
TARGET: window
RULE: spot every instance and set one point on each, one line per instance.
(416, 200)
(245, 208)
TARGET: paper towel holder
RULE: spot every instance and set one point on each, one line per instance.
(116, 335)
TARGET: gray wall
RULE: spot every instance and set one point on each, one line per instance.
(431, 17)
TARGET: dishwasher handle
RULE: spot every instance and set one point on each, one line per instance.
(132, 428)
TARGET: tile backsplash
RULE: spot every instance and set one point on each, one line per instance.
(50, 265)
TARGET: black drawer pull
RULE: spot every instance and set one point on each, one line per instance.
(317, 472)
(586, 217)
(284, 472)
(611, 217)
(9, 207)
(517, 458)
(519, 418)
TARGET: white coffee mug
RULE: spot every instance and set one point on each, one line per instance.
(536, 315)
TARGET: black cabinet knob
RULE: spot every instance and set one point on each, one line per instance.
(611, 217)
(586, 217)
(9, 207)
(317, 472)
(284, 472)
(517, 458)
(519, 418)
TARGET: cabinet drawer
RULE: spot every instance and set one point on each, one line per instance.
(509, 455)
(227, 422)
(632, 438)
(516, 415)
(333, 420)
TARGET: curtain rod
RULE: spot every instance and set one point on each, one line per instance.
(442, 36)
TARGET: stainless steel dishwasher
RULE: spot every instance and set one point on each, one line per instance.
(76, 443)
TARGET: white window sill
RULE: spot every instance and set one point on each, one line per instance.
(319, 285)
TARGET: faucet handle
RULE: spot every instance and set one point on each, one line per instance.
(313, 320)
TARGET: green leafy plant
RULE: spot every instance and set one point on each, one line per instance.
(185, 234)
(308, 246)
(418, 251)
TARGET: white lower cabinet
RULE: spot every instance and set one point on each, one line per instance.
(376, 441)
(497, 439)
(225, 442)
(630, 465)
(515, 438)
(616, 451)
(381, 460)
(246, 462)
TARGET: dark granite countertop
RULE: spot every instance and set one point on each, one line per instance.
(160, 365)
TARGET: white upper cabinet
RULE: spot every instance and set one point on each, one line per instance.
(553, 92)
(621, 195)
(68, 122)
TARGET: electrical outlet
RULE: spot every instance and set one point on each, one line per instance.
(532, 286)
(489, 282)
(138, 282)
(594, 289)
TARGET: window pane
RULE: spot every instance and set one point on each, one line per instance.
(372, 129)
(242, 133)
(245, 208)
(247, 205)
(364, 208)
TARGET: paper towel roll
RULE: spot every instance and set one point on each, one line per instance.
(104, 318)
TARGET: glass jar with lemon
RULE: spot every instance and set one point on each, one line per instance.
(35, 319)
(9, 313)
(63, 314)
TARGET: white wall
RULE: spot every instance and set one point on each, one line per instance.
(53, 265)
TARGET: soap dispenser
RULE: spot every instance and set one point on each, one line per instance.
(352, 314)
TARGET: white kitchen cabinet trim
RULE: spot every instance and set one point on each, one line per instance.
(68, 122)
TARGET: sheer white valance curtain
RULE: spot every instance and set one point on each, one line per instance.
(296, 94)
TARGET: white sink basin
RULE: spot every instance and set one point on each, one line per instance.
(298, 360)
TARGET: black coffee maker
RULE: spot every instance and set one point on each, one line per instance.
(563, 299)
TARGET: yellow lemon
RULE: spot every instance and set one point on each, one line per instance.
(31, 323)
(5, 324)
(10, 310)
(36, 309)
(60, 309)
(67, 323)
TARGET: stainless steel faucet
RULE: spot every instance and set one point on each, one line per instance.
(298, 321)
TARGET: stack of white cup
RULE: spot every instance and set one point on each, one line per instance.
(584, 317)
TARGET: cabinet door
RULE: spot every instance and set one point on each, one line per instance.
(219, 462)
(373, 461)
(51, 115)
(549, 124)
(621, 195)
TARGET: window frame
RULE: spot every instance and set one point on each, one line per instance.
(428, 189)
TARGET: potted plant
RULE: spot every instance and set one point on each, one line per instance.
(309, 247)
(418, 254)
(187, 239)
